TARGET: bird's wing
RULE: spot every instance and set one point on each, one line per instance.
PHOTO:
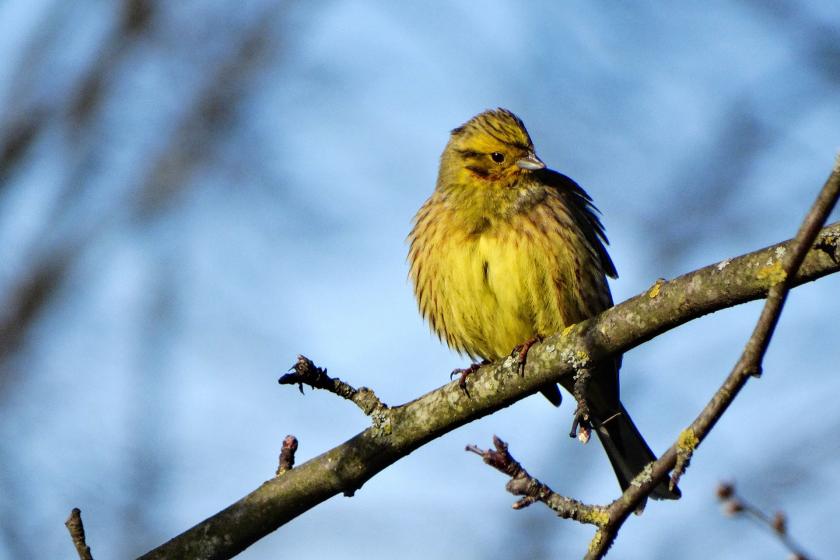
(584, 212)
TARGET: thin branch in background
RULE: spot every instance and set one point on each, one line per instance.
(287, 454)
(189, 146)
(703, 194)
(77, 533)
(209, 121)
(35, 288)
(733, 505)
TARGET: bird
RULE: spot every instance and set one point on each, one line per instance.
(506, 252)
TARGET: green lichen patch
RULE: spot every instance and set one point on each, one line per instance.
(774, 273)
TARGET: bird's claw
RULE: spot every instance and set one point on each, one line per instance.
(521, 352)
(581, 428)
(464, 373)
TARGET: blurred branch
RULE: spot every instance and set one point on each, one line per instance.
(702, 193)
(24, 302)
(348, 466)
(206, 123)
(749, 126)
(30, 115)
(817, 37)
(735, 505)
(37, 285)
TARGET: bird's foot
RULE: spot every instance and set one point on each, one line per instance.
(521, 352)
(581, 427)
(466, 372)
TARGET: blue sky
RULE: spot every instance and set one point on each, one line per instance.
(239, 189)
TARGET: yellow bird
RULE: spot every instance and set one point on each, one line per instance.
(505, 252)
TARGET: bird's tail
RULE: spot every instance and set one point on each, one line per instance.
(628, 452)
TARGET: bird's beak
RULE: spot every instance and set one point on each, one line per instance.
(530, 162)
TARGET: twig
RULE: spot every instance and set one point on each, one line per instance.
(287, 454)
(781, 273)
(306, 372)
(777, 523)
(349, 465)
(532, 490)
(77, 533)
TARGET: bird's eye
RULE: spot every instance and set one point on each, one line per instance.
(497, 157)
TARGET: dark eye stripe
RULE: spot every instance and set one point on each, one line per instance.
(469, 153)
(479, 171)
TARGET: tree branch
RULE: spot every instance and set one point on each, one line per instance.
(306, 372)
(532, 490)
(348, 466)
(77, 533)
(782, 273)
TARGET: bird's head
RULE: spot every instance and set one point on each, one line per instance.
(491, 147)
